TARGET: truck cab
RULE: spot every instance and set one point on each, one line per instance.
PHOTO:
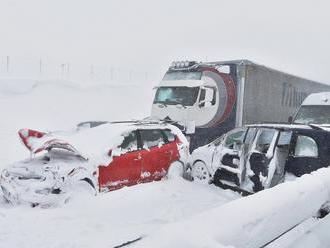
(186, 97)
(315, 109)
(198, 97)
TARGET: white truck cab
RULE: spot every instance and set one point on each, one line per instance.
(315, 109)
(194, 95)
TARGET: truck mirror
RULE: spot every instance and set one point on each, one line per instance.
(205, 103)
(290, 119)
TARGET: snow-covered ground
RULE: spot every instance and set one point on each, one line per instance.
(109, 219)
(169, 212)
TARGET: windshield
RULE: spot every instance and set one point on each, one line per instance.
(183, 75)
(313, 114)
(186, 96)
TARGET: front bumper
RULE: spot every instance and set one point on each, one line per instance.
(16, 193)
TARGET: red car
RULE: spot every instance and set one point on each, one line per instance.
(103, 156)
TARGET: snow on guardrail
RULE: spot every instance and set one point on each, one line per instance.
(252, 221)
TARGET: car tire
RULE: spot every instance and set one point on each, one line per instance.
(200, 173)
(175, 170)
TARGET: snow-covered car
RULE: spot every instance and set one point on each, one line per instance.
(272, 153)
(95, 158)
(205, 160)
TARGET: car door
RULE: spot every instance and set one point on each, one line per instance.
(155, 155)
(260, 156)
(306, 153)
(226, 156)
(125, 167)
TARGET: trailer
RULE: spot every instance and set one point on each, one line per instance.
(208, 99)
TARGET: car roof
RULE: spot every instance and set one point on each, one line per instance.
(129, 123)
(287, 126)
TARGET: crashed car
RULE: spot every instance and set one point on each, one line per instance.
(205, 160)
(272, 153)
(94, 157)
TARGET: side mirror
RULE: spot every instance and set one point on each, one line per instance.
(114, 153)
(205, 104)
(290, 119)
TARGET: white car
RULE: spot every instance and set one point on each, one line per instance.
(205, 160)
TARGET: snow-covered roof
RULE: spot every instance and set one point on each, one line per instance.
(94, 143)
(281, 126)
(184, 83)
(321, 98)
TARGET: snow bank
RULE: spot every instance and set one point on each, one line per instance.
(109, 219)
(9, 87)
(251, 221)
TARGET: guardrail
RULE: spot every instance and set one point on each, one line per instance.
(251, 221)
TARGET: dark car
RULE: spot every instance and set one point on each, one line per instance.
(272, 153)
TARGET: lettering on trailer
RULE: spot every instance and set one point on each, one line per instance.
(291, 96)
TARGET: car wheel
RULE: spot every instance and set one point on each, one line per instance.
(200, 172)
(175, 170)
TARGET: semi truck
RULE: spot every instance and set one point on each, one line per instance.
(207, 99)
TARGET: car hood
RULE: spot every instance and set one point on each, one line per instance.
(33, 180)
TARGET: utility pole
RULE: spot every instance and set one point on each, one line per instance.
(68, 69)
(7, 64)
(62, 70)
(111, 73)
(40, 67)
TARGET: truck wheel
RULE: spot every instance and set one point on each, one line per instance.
(200, 173)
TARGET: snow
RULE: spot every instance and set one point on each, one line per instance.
(317, 236)
(252, 221)
(109, 219)
(322, 98)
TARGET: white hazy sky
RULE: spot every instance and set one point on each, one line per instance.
(290, 35)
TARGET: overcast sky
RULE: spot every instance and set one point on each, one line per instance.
(293, 36)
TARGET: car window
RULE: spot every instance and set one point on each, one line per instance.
(130, 142)
(169, 135)
(264, 139)
(151, 138)
(250, 135)
(285, 138)
(306, 147)
(234, 137)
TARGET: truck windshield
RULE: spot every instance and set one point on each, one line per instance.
(313, 114)
(185, 96)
